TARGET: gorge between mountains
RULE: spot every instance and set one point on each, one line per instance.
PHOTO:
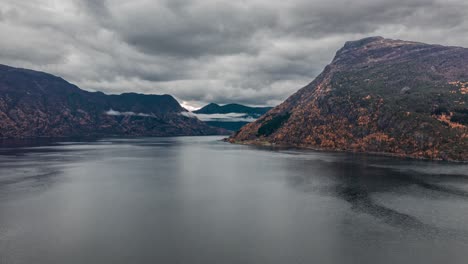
(88, 177)
(233, 132)
(378, 95)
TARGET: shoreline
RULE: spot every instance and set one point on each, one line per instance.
(264, 143)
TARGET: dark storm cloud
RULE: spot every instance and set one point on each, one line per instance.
(256, 52)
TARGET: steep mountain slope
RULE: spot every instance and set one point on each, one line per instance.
(230, 116)
(377, 95)
(37, 104)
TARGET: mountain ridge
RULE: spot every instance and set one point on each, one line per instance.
(377, 95)
(229, 116)
(214, 108)
(39, 104)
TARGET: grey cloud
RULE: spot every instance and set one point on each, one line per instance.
(255, 52)
(112, 112)
(193, 28)
(230, 117)
(97, 9)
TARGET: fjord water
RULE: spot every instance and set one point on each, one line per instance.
(201, 200)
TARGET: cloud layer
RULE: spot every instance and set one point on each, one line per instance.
(112, 112)
(255, 52)
(229, 117)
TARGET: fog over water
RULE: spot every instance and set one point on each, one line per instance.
(201, 200)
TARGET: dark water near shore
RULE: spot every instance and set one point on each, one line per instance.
(199, 200)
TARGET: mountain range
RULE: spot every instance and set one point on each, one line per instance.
(37, 104)
(378, 95)
(230, 116)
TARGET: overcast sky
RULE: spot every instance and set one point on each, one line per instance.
(255, 52)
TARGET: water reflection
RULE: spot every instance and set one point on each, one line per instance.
(196, 199)
(356, 181)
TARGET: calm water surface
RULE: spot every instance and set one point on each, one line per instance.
(199, 200)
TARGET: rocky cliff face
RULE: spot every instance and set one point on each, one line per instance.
(37, 104)
(377, 95)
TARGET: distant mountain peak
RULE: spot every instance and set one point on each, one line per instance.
(213, 108)
(229, 116)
